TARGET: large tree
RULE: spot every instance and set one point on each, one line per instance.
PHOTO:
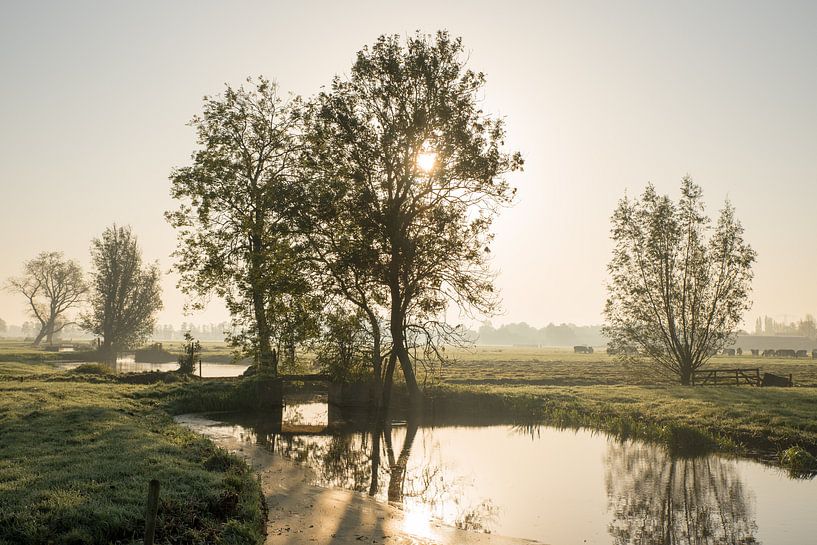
(125, 294)
(408, 162)
(52, 285)
(235, 220)
(678, 286)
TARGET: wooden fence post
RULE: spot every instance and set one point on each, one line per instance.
(152, 510)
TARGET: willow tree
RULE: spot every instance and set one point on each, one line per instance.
(52, 286)
(678, 286)
(125, 294)
(234, 222)
(414, 169)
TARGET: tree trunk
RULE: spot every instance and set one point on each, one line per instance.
(40, 336)
(377, 366)
(399, 345)
(49, 336)
(266, 358)
(686, 373)
(388, 381)
(106, 350)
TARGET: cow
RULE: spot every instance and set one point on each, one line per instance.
(814, 354)
(756, 352)
(581, 349)
(728, 351)
(768, 353)
(785, 353)
(739, 351)
(801, 354)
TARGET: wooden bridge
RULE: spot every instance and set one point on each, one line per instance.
(271, 393)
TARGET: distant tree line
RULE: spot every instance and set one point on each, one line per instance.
(551, 335)
(807, 327)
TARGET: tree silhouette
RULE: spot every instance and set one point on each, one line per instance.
(678, 288)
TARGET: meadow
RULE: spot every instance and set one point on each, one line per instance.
(79, 448)
(599, 391)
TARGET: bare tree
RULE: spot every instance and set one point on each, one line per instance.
(678, 288)
(125, 295)
(52, 285)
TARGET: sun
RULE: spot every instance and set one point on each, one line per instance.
(426, 160)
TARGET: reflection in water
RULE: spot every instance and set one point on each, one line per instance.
(556, 486)
(655, 498)
(127, 364)
(385, 462)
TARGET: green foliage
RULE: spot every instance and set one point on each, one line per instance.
(344, 349)
(235, 221)
(91, 369)
(125, 295)
(799, 461)
(192, 350)
(405, 174)
(678, 288)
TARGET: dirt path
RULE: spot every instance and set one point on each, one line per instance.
(303, 513)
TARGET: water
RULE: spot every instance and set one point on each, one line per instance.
(541, 483)
(127, 364)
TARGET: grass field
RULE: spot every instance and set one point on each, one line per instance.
(114, 437)
(76, 455)
(597, 391)
(559, 366)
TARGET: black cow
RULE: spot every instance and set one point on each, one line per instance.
(728, 351)
(583, 349)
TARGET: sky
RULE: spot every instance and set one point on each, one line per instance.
(600, 98)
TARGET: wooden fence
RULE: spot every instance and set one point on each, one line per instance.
(718, 377)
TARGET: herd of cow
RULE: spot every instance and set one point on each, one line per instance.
(768, 353)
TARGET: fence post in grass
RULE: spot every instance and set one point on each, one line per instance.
(200, 375)
(152, 510)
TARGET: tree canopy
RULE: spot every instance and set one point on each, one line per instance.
(52, 285)
(125, 294)
(409, 172)
(678, 286)
(236, 236)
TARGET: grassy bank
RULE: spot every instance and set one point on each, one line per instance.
(77, 452)
(741, 420)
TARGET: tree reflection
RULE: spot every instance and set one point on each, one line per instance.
(377, 463)
(659, 499)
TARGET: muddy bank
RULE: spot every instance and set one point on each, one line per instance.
(303, 513)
